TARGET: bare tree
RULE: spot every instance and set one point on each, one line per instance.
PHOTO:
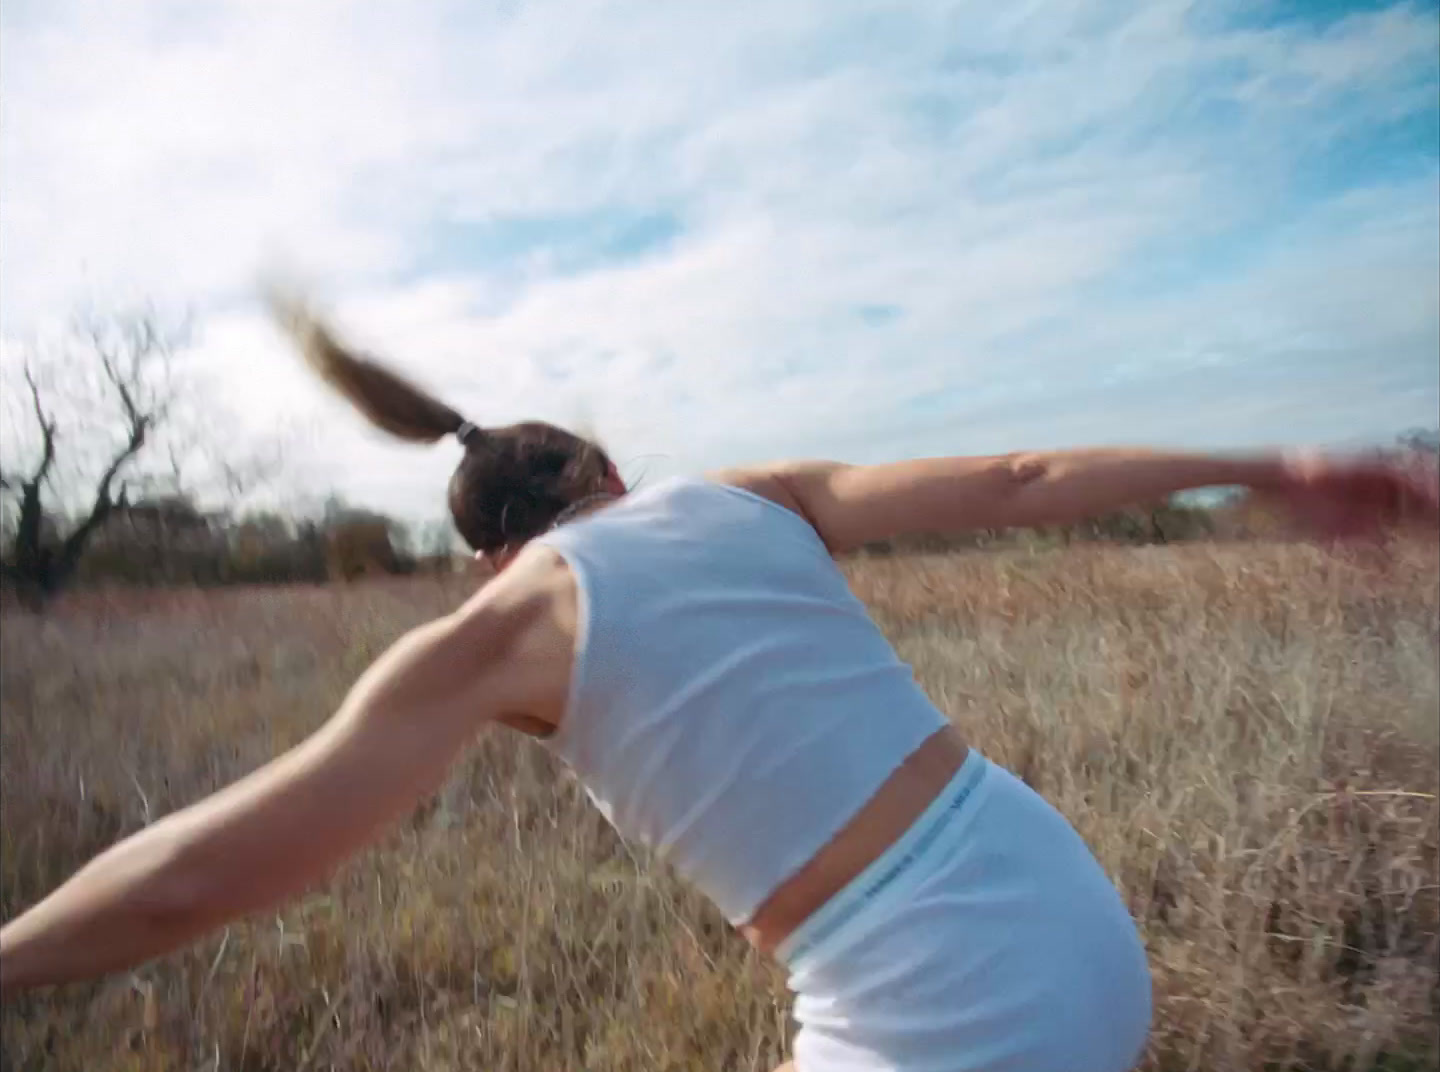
(99, 422)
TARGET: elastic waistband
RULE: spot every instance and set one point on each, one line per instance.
(882, 873)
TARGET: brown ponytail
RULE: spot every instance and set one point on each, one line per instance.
(388, 400)
(512, 483)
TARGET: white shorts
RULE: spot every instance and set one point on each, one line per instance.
(987, 938)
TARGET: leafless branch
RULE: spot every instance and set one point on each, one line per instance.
(47, 430)
(104, 503)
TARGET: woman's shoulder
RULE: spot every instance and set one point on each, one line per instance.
(536, 598)
(769, 483)
(764, 481)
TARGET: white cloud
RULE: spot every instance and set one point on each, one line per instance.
(1046, 197)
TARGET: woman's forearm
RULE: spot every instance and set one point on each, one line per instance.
(853, 505)
(119, 911)
(1066, 486)
(282, 828)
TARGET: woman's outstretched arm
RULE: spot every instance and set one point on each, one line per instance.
(852, 505)
(281, 829)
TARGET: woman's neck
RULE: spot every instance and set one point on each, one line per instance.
(588, 505)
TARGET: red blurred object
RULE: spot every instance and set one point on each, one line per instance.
(1358, 498)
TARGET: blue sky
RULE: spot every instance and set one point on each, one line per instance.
(719, 233)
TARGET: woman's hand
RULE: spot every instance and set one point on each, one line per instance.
(1355, 498)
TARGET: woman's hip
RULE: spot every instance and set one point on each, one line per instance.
(987, 938)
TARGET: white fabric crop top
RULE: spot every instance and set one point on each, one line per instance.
(731, 705)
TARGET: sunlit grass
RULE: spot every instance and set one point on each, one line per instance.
(1245, 735)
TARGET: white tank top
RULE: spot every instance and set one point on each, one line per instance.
(732, 705)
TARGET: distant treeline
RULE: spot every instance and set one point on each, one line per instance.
(1163, 524)
(172, 542)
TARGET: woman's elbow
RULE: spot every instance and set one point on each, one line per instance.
(1022, 469)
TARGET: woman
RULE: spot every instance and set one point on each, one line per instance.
(692, 651)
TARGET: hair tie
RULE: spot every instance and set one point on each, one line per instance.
(465, 431)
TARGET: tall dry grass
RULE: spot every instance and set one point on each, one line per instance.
(1245, 735)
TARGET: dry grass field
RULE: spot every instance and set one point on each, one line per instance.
(1245, 735)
